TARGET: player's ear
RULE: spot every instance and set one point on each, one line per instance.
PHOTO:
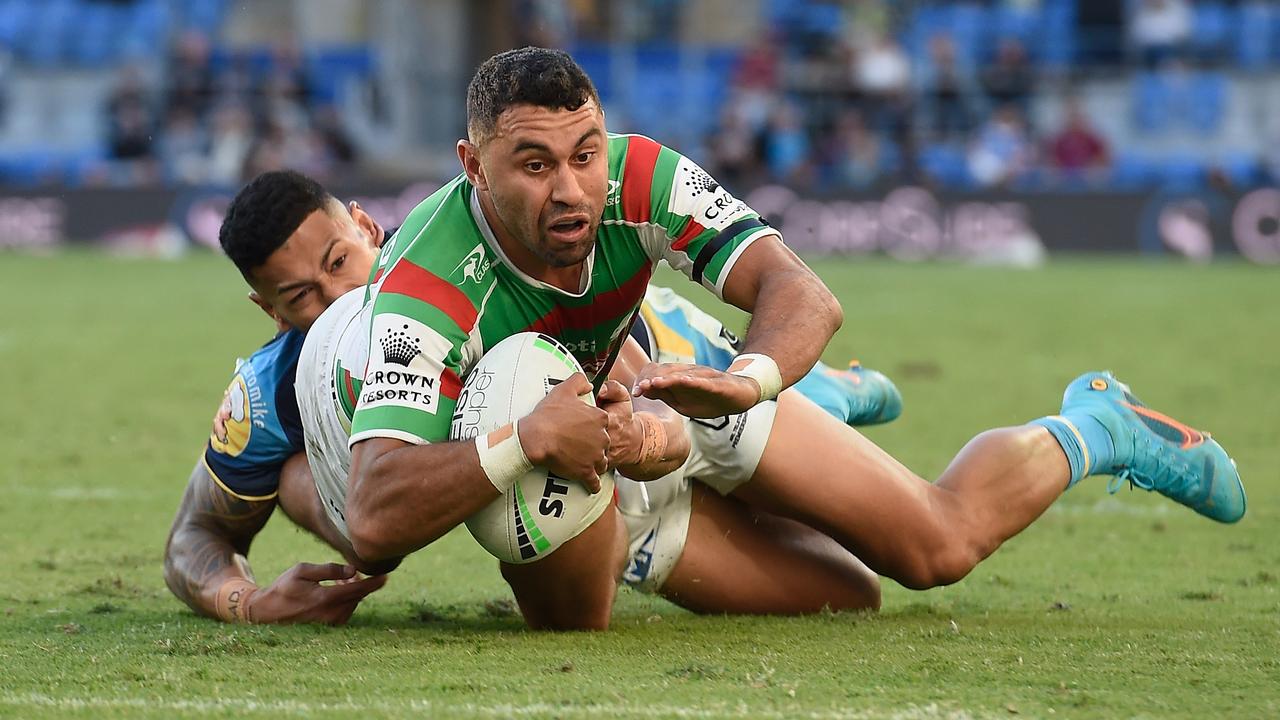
(264, 306)
(368, 226)
(469, 156)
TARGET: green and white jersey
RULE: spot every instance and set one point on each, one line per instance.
(443, 290)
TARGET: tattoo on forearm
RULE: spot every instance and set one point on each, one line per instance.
(212, 527)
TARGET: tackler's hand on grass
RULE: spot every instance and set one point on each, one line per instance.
(695, 390)
(301, 595)
(567, 436)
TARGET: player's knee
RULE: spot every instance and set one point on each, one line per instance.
(938, 567)
(568, 609)
(865, 593)
(860, 594)
(565, 622)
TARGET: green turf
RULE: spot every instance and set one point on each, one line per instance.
(1108, 607)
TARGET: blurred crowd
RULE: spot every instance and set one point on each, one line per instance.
(832, 94)
(200, 123)
(849, 106)
(848, 94)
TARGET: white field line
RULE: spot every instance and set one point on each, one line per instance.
(595, 710)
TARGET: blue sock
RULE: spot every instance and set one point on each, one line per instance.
(1086, 442)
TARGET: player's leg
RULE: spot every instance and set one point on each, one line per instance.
(737, 559)
(573, 588)
(826, 475)
(830, 477)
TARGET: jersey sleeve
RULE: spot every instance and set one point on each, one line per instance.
(248, 463)
(411, 384)
(704, 228)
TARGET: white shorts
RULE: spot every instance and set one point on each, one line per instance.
(324, 425)
(723, 455)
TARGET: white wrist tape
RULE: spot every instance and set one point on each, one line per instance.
(502, 458)
(763, 370)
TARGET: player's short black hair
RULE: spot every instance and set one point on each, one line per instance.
(532, 75)
(265, 213)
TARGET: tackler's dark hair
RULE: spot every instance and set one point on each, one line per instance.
(265, 213)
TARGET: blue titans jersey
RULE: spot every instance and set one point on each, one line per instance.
(672, 329)
(265, 428)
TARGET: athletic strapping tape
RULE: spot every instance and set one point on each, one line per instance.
(763, 370)
(232, 601)
(502, 457)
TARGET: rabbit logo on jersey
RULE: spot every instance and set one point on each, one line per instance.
(697, 195)
(406, 361)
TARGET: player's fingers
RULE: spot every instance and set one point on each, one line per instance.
(357, 590)
(577, 384)
(612, 392)
(325, 571)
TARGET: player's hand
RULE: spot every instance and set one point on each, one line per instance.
(300, 595)
(625, 435)
(567, 436)
(696, 390)
(221, 417)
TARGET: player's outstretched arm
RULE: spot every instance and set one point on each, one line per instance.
(793, 316)
(402, 497)
(205, 565)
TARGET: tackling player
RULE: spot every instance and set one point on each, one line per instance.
(299, 248)
(554, 227)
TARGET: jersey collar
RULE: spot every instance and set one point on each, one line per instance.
(477, 214)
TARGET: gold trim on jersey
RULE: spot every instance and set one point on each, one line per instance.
(229, 491)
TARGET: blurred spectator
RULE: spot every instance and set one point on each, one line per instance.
(882, 78)
(229, 144)
(787, 146)
(1078, 150)
(755, 79)
(190, 84)
(183, 148)
(1001, 152)
(949, 97)
(735, 147)
(130, 129)
(288, 76)
(545, 23)
(333, 137)
(1009, 79)
(857, 156)
(1160, 29)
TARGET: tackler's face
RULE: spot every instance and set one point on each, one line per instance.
(547, 174)
(330, 253)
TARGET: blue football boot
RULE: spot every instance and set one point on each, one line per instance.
(1155, 452)
(857, 396)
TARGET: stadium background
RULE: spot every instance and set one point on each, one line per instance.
(922, 129)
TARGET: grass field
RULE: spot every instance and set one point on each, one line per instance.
(1124, 606)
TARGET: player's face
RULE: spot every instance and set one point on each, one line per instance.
(547, 174)
(329, 254)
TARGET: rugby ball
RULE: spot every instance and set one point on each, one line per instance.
(540, 512)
